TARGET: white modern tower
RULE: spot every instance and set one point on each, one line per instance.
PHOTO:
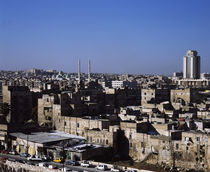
(191, 65)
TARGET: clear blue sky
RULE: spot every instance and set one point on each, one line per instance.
(120, 36)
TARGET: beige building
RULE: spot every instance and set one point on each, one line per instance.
(154, 96)
(185, 96)
(193, 151)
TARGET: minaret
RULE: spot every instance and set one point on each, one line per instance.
(79, 71)
(89, 70)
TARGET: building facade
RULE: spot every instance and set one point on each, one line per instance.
(191, 65)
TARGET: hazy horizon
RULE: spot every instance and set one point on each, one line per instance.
(121, 36)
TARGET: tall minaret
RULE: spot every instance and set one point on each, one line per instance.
(79, 71)
(89, 70)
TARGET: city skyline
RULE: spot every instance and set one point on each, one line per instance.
(138, 37)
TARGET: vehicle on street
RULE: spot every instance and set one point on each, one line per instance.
(24, 155)
(52, 167)
(45, 158)
(13, 153)
(85, 164)
(4, 152)
(42, 164)
(102, 167)
(34, 158)
(115, 169)
(131, 171)
(66, 169)
(59, 160)
(71, 162)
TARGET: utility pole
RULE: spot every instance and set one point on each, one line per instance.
(63, 155)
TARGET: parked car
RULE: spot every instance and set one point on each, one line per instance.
(66, 169)
(85, 164)
(115, 169)
(34, 158)
(52, 167)
(102, 167)
(45, 158)
(13, 153)
(43, 164)
(24, 155)
(131, 171)
(71, 162)
(4, 152)
(59, 160)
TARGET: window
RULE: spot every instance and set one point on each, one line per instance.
(107, 142)
(131, 145)
(77, 125)
(198, 139)
(177, 146)
(187, 148)
(142, 144)
(64, 123)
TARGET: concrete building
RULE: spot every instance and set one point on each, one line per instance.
(191, 65)
(193, 83)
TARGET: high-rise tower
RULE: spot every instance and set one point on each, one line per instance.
(191, 65)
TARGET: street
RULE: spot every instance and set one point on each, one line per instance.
(59, 165)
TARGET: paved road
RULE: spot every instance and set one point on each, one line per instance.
(59, 165)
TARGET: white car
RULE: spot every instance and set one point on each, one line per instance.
(85, 164)
(34, 158)
(115, 169)
(66, 169)
(102, 167)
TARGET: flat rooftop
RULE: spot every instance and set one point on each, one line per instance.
(46, 137)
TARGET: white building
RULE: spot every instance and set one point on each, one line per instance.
(123, 84)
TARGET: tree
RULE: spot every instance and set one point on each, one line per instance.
(5, 108)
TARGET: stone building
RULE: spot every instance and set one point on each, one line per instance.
(137, 139)
(192, 151)
(154, 96)
(185, 96)
(45, 109)
(20, 100)
(77, 126)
